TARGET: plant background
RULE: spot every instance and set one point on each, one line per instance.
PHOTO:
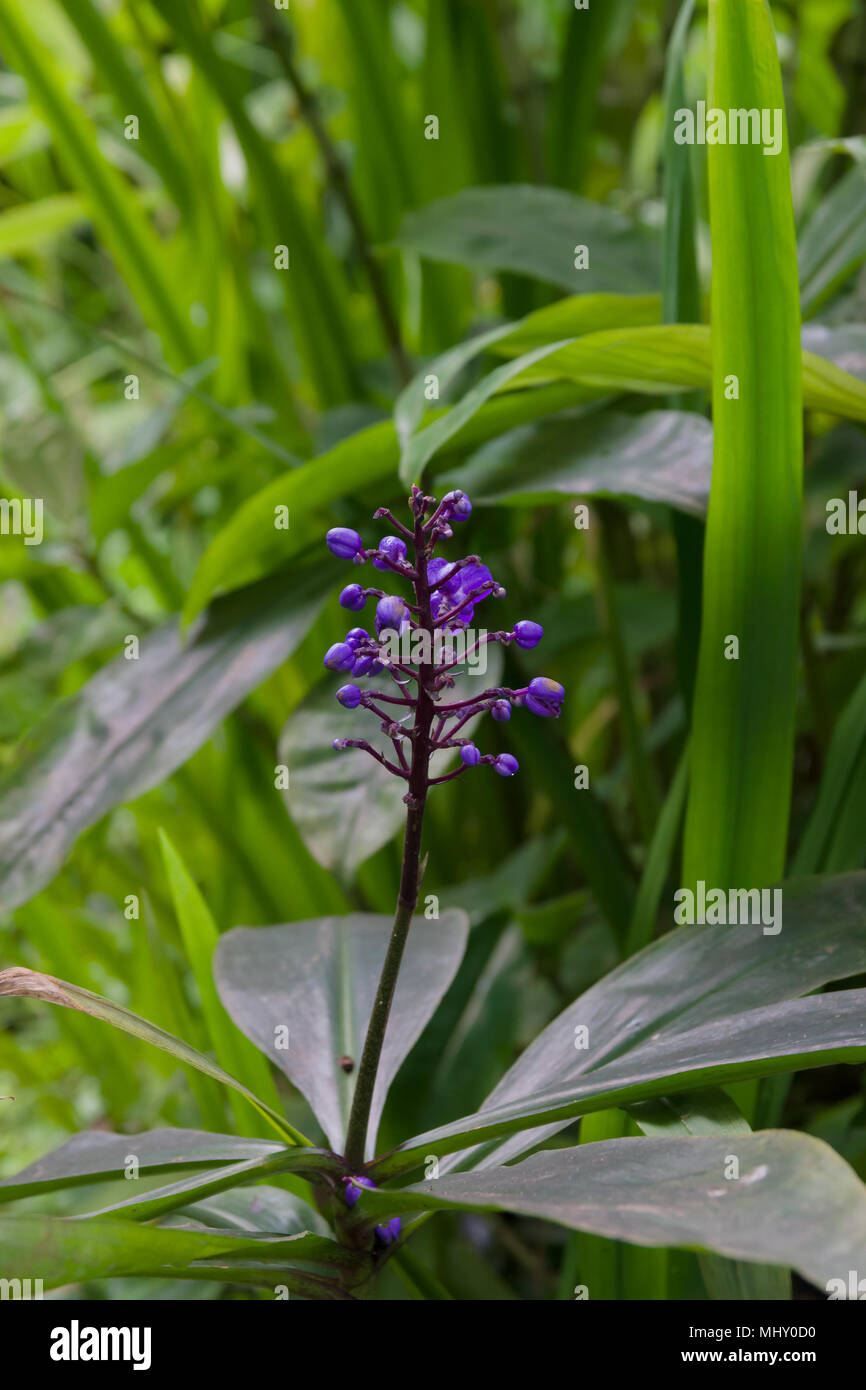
(154, 258)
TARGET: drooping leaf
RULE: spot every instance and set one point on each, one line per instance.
(30, 984)
(304, 993)
(136, 721)
(95, 1155)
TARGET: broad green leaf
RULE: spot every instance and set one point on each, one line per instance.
(794, 1202)
(136, 721)
(741, 748)
(695, 976)
(712, 1113)
(346, 805)
(30, 984)
(662, 456)
(200, 937)
(665, 358)
(535, 231)
(62, 1251)
(25, 227)
(819, 1031)
(304, 993)
(95, 1156)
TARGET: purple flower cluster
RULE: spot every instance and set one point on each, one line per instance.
(445, 596)
(385, 1235)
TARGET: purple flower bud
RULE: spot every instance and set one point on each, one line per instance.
(459, 506)
(352, 1188)
(353, 598)
(390, 1232)
(340, 657)
(501, 710)
(356, 635)
(338, 744)
(528, 634)
(506, 765)
(393, 548)
(363, 666)
(470, 755)
(391, 612)
(349, 696)
(344, 543)
(377, 668)
(444, 530)
(544, 697)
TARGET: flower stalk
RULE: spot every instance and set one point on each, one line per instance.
(445, 595)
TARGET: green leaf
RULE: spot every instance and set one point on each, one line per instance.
(344, 804)
(534, 231)
(741, 750)
(193, 1187)
(62, 1251)
(712, 1112)
(795, 1202)
(698, 977)
(136, 721)
(318, 980)
(95, 1156)
(664, 358)
(662, 456)
(30, 984)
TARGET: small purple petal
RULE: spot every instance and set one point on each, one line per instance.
(390, 1232)
(470, 755)
(506, 765)
(349, 696)
(352, 1188)
(356, 635)
(501, 710)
